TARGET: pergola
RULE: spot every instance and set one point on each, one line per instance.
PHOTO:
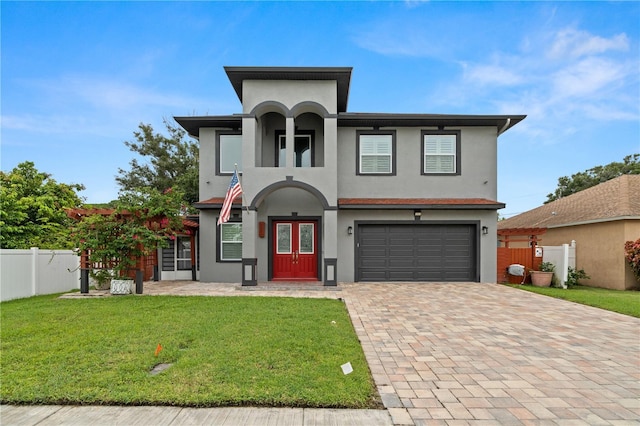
(529, 235)
(143, 263)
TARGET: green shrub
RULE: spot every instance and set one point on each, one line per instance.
(632, 255)
(575, 275)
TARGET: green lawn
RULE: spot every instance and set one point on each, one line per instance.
(225, 351)
(624, 302)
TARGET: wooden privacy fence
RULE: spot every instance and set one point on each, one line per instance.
(525, 256)
(522, 256)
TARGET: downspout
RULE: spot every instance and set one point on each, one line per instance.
(506, 125)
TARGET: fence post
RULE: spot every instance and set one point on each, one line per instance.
(34, 270)
(139, 280)
(565, 263)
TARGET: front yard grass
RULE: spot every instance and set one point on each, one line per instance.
(225, 351)
(624, 302)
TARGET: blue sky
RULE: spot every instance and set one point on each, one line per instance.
(78, 77)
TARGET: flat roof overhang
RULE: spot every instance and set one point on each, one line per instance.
(501, 122)
(193, 124)
(420, 203)
(342, 75)
(375, 120)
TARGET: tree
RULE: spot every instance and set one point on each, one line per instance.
(32, 209)
(142, 220)
(169, 162)
(577, 182)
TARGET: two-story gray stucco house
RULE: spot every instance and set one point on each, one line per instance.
(336, 196)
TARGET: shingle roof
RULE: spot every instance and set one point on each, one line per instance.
(615, 199)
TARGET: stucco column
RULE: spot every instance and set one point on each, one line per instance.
(330, 270)
(290, 137)
(249, 253)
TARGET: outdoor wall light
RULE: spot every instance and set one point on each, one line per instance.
(349, 230)
(485, 230)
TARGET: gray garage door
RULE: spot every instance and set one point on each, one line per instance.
(412, 252)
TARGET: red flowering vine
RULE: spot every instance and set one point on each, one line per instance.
(632, 254)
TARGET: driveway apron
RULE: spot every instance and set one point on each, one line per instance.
(470, 353)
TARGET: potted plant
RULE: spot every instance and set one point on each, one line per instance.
(101, 278)
(544, 276)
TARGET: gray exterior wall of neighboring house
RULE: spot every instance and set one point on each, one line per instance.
(270, 192)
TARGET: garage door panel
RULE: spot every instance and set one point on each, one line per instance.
(400, 252)
(417, 252)
(370, 275)
(401, 275)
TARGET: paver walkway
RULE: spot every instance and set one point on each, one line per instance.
(469, 353)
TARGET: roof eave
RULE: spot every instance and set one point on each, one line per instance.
(342, 76)
(193, 124)
(501, 122)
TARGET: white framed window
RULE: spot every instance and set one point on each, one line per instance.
(183, 253)
(302, 145)
(230, 241)
(376, 153)
(229, 153)
(441, 153)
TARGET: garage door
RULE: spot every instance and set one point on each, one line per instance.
(416, 252)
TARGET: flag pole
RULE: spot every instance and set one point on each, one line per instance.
(235, 165)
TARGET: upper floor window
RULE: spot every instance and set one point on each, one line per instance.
(229, 152)
(376, 152)
(441, 152)
(302, 149)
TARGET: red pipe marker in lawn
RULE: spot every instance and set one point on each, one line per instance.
(158, 349)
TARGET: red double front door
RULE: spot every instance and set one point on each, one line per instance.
(295, 250)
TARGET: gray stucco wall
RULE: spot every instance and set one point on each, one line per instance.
(478, 157)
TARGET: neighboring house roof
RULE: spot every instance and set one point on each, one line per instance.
(358, 119)
(615, 199)
(419, 203)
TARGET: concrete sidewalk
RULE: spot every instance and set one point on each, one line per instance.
(164, 416)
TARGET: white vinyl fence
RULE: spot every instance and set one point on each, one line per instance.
(25, 273)
(562, 257)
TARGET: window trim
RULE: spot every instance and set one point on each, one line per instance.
(219, 258)
(312, 141)
(391, 133)
(218, 157)
(458, 162)
(178, 259)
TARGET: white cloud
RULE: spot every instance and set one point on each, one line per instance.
(575, 44)
(107, 93)
(588, 76)
(491, 74)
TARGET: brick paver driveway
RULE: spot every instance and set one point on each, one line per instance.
(484, 353)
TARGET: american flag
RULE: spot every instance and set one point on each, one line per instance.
(232, 193)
